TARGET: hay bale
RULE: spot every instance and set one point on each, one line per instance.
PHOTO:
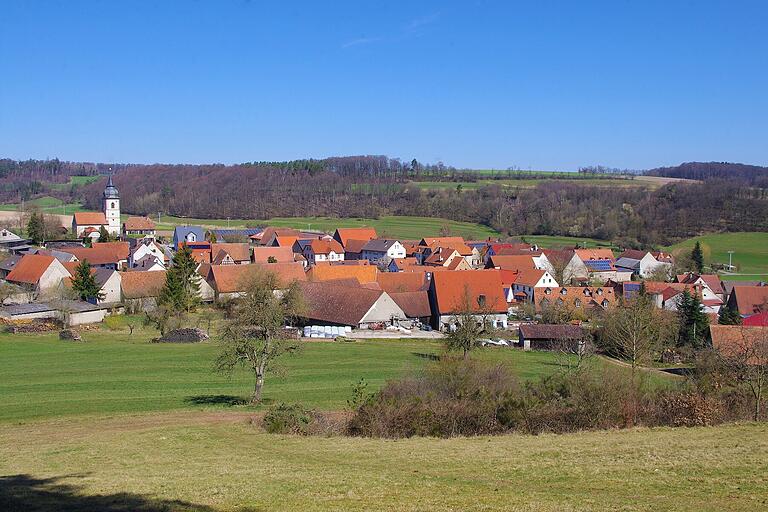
(70, 335)
(183, 336)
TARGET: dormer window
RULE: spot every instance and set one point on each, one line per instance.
(605, 303)
(563, 291)
(559, 302)
(587, 292)
(599, 291)
(547, 291)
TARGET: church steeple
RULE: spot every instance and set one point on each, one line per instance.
(111, 204)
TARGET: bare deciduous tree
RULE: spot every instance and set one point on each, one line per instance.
(256, 336)
(745, 357)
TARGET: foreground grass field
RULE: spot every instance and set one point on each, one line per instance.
(203, 462)
(113, 372)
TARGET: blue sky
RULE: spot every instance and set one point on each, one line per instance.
(540, 84)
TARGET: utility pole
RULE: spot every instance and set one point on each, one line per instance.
(730, 260)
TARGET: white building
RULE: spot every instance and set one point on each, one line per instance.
(378, 250)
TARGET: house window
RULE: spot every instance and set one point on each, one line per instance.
(605, 303)
(481, 300)
(113, 205)
(577, 303)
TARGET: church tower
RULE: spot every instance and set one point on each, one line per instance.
(111, 207)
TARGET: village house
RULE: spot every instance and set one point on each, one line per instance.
(577, 298)
(382, 250)
(568, 264)
(398, 282)
(478, 292)
(642, 264)
(354, 306)
(147, 253)
(38, 274)
(400, 264)
(273, 255)
(112, 255)
(363, 274)
(89, 223)
(748, 300)
(188, 235)
(230, 254)
(231, 281)
(109, 282)
(529, 281)
(319, 251)
(344, 235)
(139, 226)
(140, 290)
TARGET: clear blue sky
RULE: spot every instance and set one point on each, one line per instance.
(540, 84)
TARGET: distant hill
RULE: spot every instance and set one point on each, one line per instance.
(752, 175)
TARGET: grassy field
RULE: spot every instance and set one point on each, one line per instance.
(547, 241)
(113, 372)
(198, 462)
(750, 252)
(530, 183)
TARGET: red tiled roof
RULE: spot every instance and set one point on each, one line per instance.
(445, 241)
(595, 254)
(238, 252)
(326, 247)
(392, 282)
(90, 218)
(757, 320)
(572, 295)
(736, 340)
(529, 277)
(513, 262)
(138, 223)
(30, 268)
(451, 289)
(327, 272)
(281, 254)
(344, 235)
(750, 299)
(354, 245)
(100, 253)
(137, 285)
(235, 278)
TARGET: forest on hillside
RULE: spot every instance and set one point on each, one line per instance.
(727, 197)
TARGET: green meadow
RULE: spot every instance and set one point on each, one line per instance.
(750, 252)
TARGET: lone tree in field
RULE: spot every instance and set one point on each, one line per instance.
(697, 257)
(469, 325)
(36, 228)
(255, 336)
(181, 292)
(84, 282)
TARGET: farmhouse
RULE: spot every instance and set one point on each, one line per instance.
(319, 251)
(344, 235)
(529, 281)
(382, 250)
(140, 290)
(641, 263)
(478, 292)
(139, 226)
(39, 274)
(748, 300)
(357, 307)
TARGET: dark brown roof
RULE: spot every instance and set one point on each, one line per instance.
(413, 304)
(551, 332)
(337, 304)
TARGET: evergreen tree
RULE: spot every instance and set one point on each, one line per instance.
(104, 235)
(36, 228)
(84, 283)
(182, 283)
(728, 316)
(697, 257)
(694, 323)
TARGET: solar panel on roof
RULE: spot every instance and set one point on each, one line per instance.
(598, 265)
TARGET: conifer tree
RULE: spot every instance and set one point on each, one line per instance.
(728, 316)
(36, 228)
(697, 256)
(84, 283)
(182, 283)
(694, 323)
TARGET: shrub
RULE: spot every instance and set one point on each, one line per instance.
(688, 409)
(284, 418)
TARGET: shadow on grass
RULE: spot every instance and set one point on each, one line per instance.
(229, 400)
(424, 355)
(30, 494)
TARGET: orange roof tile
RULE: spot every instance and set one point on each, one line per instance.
(238, 252)
(595, 254)
(281, 254)
(100, 253)
(90, 218)
(138, 223)
(30, 268)
(235, 278)
(326, 247)
(344, 235)
(327, 272)
(529, 277)
(137, 285)
(513, 262)
(402, 281)
(452, 287)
